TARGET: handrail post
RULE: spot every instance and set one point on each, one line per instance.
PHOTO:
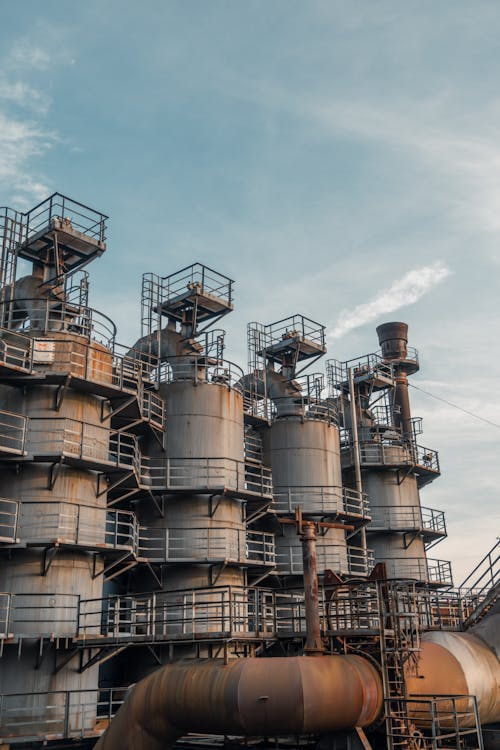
(357, 457)
(66, 713)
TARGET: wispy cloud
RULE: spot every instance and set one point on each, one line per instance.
(26, 54)
(404, 291)
(24, 105)
(24, 95)
(20, 142)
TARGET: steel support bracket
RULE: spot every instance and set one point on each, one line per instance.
(48, 556)
(55, 468)
(65, 660)
(220, 568)
(61, 392)
(102, 655)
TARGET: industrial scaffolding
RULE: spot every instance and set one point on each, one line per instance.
(159, 505)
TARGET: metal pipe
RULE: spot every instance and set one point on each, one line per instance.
(314, 644)
(402, 417)
(462, 664)
(355, 448)
(393, 340)
(299, 695)
(247, 697)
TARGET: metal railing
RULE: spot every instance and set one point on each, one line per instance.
(426, 458)
(59, 208)
(256, 406)
(196, 277)
(253, 447)
(441, 610)
(205, 474)
(442, 721)
(9, 513)
(440, 572)
(305, 407)
(296, 328)
(358, 606)
(482, 584)
(5, 604)
(224, 543)
(201, 369)
(49, 314)
(227, 611)
(408, 517)
(339, 558)
(79, 525)
(152, 408)
(39, 615)
(11, 232)
(91, 444)
(368, 365)
(232, 611)
(386, 452)
(16, 351)
(436, 572)
(119, 367)
(12, 433)
(341, 501)
(61, 714)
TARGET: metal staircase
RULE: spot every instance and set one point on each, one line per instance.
(481, 589)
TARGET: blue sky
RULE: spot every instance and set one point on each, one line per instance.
(325, 155)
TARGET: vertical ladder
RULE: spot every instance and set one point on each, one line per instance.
(399, 646)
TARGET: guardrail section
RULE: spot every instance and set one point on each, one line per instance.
(221, 543)
(12, 434)
(205, 474)
(92, 445)
(9, 512)
(340, 558)
(79, 525)
(341, 501)
(57, 715)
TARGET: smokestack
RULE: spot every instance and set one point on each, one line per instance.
(393, 340)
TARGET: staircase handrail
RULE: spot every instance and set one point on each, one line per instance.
(489, 575)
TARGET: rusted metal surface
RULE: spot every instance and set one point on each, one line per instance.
(460, 664)
(250, 697)
(393, 340)
(314, 645)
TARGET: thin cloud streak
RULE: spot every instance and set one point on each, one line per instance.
(404, 291)
(20, 142)
(23, 140)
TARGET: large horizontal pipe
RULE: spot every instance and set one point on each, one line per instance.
(300, 695)
(462, 664)
(250, 697)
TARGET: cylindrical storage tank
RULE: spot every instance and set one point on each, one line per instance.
(61, 524)
(304, 455)
(201, 537)
(51, 499)
(394, 533)
(204, 439)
